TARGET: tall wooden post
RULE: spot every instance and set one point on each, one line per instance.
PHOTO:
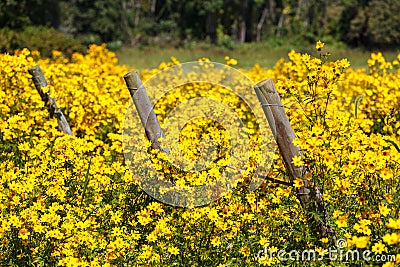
(40, 81)
(144, 108)
(309, 195)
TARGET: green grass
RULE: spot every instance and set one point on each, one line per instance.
(246, 54)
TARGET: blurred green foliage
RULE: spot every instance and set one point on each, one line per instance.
(367, 23)
(40, 38)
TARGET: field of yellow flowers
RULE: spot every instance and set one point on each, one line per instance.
(72, 201)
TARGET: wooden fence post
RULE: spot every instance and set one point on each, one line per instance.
(40, 81)
(145, 109)
(309, 194)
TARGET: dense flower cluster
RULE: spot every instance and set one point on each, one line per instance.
(71, 201)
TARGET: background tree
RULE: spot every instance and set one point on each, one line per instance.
(17, 14)
(372, 23)
(368, 23)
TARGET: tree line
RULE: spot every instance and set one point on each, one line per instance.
(369, 23)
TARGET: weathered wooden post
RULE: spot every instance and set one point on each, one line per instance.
(145, 109)
(40, 81)
(309, 194)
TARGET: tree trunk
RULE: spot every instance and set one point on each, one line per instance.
(138, 6)
(242, 25)
(153, 6)
(261, 23)
(242, 31)
(125, 22)
(280, 25)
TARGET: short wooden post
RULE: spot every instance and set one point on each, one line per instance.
(144, 108)
(40, 81)
(309, 195)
